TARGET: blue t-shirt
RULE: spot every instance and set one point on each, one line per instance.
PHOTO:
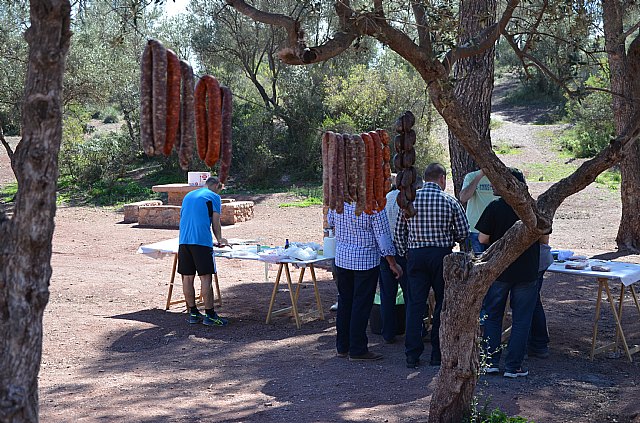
(195, 216)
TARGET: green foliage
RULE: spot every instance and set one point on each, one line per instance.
(496, 416)
(550, 172)
(502, 147)
(14, 19)
(110, 115)
(592, 118)
(306, 202)
(8, 192)
(103, 192)
(610, 178)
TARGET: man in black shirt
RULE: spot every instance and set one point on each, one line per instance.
(519, 280)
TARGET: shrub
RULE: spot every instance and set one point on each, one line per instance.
(592, 119)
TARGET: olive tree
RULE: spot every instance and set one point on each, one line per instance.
(421, 44)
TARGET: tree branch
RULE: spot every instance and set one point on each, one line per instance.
(421, 23)
(484, 41)
(6, 146)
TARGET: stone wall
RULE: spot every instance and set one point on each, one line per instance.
(159, 216)
(131, 210)
(236, 211)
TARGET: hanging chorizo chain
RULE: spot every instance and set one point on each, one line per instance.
(172, 112)
(403, 162)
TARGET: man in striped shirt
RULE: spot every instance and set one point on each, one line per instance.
(360, 241)
(425, 239)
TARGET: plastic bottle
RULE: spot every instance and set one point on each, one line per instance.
(286, 243)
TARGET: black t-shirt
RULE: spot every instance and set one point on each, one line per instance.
(495, 221)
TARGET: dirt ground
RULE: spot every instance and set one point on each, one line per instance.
(111, 352)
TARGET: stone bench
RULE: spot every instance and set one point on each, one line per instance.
(159, 216)
(131, 210)
(236, 211)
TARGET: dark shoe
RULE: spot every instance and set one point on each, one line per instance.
(413, 364)
(521, 372)
(541, 354)
(369, 356)
(214, 320)
(342, 355)
(195, 318)
(435, 362)
(390, 341)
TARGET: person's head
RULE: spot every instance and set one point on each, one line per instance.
(517, 173)
(214, 184)
(436, 173)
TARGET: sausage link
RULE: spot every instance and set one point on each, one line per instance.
(173, 101)
(214, 120)
(146, 101)
(378, 181)
(187, 116)
(340, 153)
(159, 87)
(333, 170)
(361, 154)
(200, 99)
(351, 161)
(369, 148)
(325, 170)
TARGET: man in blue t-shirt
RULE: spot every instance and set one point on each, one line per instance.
(200, 211)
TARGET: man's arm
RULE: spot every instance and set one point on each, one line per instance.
(467, 192)
(217, 228)
(483, 238)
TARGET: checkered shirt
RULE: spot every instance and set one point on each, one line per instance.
(440, 221)
(360, 240)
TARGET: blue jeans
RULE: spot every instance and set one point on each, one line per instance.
(356, 290)
(523, 301)
(539, 335)
(424, 271)
(388, 293)
(475, 244)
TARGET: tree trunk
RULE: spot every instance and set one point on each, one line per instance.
(459, 334)
(473, 86)
(623, 68)
(25, 251)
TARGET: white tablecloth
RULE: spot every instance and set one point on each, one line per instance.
(627, 273)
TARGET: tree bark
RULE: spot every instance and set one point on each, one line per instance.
(623, 68)
(25, 251)
(473, 85)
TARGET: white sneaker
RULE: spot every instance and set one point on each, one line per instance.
(491, 370)
(334, 307)
(516, 373)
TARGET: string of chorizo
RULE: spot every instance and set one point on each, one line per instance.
(325, 170)
(333, 169)
(351, 161)
(173, 101)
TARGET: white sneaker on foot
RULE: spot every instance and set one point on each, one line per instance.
(516, 373)
(334, 307)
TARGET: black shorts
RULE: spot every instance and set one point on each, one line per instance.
(192, 258)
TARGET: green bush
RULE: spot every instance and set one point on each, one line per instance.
(592, 119)
(110, 115)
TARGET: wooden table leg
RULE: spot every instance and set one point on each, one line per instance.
(622, 290)
(218, 297)
(597, 317)
(292, 295)
(171, 281)
(299, 282)
(618, 323)
(315, 288)
(274, 292)
(635, 298)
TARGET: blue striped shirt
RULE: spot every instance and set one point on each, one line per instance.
(360, 240)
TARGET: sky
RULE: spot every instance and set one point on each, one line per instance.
(173, 7)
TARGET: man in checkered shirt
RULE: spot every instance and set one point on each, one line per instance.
(425, 239)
